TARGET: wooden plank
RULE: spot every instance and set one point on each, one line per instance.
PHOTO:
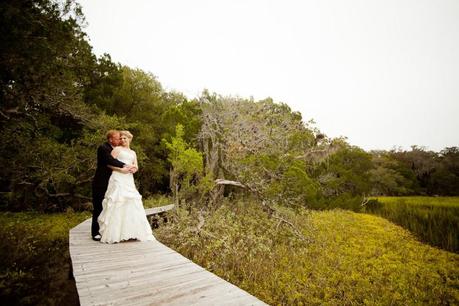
(161, 296)
(157, 210)
(144, 273)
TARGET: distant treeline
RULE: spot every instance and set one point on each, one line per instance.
(58, 99)
(417, 171)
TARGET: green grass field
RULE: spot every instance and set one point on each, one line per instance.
(435, 220)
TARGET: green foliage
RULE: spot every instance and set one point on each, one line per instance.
(434, 220)
(186, 161)
(416, 172)
(445, 179)
(388, 181)
(138, 97)
(45, 175)
(44, 60)
(34, 260)
(49, 175)
(59, 100)
(187, 166)
(345, 259)
(349, 169)
(285, 180)
(263, 145)
(388, 178)
(187, 113)
(105, 79)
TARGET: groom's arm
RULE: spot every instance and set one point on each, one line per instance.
(105, 156)
(122, 170)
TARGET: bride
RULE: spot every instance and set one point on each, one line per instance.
(123, 216)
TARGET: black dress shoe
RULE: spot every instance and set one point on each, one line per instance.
(96, 238)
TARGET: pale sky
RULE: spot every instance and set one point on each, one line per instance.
(383, 73)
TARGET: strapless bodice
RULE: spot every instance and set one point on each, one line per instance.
(126, 156)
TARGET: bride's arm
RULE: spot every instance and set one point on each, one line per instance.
(135, 164)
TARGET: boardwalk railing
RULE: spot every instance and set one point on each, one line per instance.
(144, 273)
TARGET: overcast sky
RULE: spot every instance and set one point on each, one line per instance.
(382, 73)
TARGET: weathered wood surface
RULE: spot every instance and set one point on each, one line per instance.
(144, 273)
(157, 210)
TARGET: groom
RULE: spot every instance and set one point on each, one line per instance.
(103, 173)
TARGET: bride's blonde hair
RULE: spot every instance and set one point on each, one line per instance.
(127, 134)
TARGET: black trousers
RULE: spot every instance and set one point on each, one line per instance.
(97, 198)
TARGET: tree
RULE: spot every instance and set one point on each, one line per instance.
(104, 80)
(445, 180)
(385, 179)
(347, 171)
(187, 167)
(44, 60)
(416, 165)
(263, 145)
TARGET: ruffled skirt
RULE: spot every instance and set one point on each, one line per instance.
(123, 215)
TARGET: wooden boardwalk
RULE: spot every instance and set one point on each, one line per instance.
(144, 273)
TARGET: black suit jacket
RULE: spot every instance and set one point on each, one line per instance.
(103, 172)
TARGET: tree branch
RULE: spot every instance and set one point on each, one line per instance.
(228, 182)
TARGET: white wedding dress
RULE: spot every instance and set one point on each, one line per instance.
(123, 216)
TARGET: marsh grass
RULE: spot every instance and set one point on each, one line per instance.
(35, 267)
(345, 258)
(435, 220)
(423, 201)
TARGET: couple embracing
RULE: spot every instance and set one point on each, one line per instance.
(118, 212)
